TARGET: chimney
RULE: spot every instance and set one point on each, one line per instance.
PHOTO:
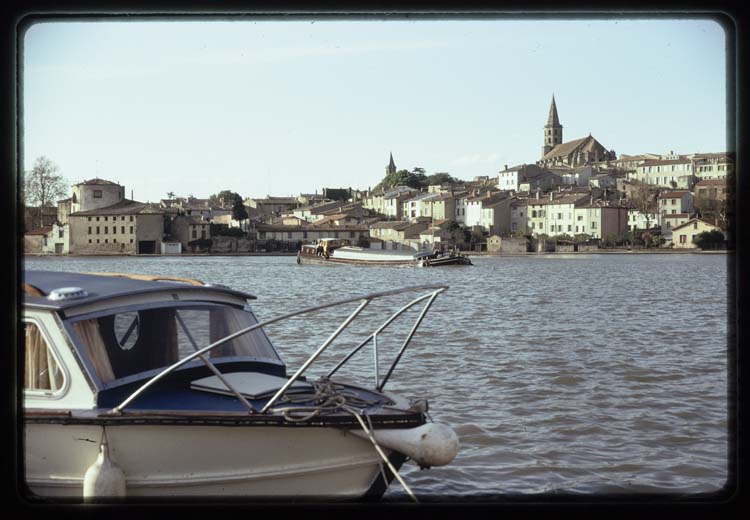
(505, 166)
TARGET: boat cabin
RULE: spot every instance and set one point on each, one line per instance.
(91, 339)
(325, 246)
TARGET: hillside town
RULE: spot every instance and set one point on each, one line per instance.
(578, 196)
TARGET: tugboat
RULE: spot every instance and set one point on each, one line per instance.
(340, 251)
(138, 385)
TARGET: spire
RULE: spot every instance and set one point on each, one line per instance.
(391, 168)
(552, 118)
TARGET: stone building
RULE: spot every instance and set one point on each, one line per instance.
(128, 227)
(95, 194)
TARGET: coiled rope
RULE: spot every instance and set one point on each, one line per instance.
(328, 398)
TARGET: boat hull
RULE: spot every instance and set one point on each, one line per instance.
(308, 259)
(174, 460)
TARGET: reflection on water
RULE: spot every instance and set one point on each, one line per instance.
(572, 373)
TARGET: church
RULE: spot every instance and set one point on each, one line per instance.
(581, 152)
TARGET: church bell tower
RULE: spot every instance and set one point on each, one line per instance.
(552, 130)
(391, 168)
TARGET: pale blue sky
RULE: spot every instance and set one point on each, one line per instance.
(282, 108)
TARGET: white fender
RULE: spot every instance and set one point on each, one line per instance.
(103, 479)
(432, 444)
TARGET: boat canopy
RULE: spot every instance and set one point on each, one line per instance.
(55, 290)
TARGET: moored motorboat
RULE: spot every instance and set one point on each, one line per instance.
(340, 251)
(141, 386)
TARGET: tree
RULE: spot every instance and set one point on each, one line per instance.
(223, 198)
(400, 178)
(239, 212)
(709, 239)
(644, 200)
(43, 186)
(170, 195)
(441, 178)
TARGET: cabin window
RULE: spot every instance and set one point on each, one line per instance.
(41, 369)
(97, 194)
(127, 343)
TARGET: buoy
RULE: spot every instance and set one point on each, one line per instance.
(103, 479)
(432, 444)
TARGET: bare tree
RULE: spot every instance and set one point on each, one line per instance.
(643, 199)
(43, 186)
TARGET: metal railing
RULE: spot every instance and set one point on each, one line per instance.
(365, 300)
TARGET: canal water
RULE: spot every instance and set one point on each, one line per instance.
(583, 374)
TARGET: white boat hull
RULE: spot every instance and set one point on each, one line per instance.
(164, 460)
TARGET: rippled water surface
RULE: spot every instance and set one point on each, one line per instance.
(577, 374)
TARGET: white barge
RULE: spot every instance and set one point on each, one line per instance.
(339, 251)
(144, 386)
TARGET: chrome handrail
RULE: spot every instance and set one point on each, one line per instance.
(365, 299)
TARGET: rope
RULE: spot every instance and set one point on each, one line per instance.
(380, 452)
(327, 398)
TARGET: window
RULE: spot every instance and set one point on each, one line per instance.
(559, 216)
(683, 239)
(533, 214)
(97, 230)
(122, 229)
(195, 233)
(106, 230)
(42, 371)
(674, 211)
(89, 219)
(97, 219)
(105, 219)
(97, 194)
(570, 228)
(580, 217)
(138, 340)
(89, 240)
(203, 233)
(695, 225)
(131, 218)
(89, 230)
(61, 233)
(593, 224)
(131, 229)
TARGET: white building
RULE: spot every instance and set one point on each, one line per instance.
(676, 173)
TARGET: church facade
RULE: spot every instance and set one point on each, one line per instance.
(573, 154)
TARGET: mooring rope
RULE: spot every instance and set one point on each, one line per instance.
(327, 398)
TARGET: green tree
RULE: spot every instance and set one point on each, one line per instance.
(223, 198)
(709, 239)
(239, 213)
(43, 186)
(440, 178)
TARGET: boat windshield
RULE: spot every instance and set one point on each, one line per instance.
(132, 341)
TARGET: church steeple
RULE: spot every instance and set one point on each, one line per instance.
(391, 168)
(552, 130)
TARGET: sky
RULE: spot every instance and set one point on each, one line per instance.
(279, 108)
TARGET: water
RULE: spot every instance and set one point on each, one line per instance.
(584, 374)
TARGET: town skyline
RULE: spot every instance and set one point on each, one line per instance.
(329, 101)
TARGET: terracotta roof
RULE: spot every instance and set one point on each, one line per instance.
(696, 220)
(662, 162)
(677, 215)
(673, 194)
(711, 182)
(398, 225)
(39, 231)
(585, 143)
(98, 181)
(124, 207)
